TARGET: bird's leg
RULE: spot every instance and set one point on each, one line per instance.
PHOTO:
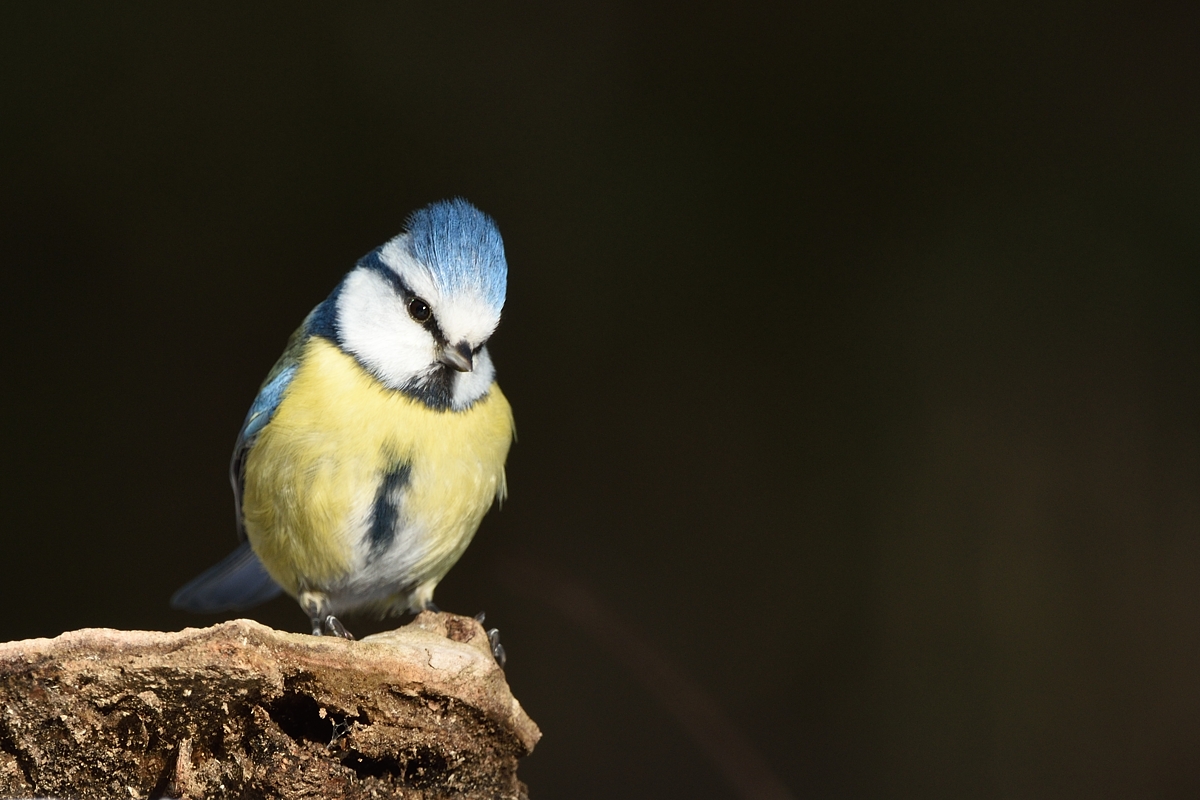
(316, 605)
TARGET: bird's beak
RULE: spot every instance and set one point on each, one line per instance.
(458, 357)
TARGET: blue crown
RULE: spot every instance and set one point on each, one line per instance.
(462, 248)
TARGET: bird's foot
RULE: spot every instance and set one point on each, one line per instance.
(497, 648)
(316, 605)
(329, 625)
(494, 641)
(334, 627)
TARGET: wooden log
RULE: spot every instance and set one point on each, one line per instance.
(241, 710)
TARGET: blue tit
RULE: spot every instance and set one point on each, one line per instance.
(377, 442)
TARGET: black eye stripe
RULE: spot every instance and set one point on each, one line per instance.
(422, 313)
(374, 262)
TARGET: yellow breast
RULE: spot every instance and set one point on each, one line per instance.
(313, 474)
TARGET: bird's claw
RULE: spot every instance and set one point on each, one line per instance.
(493, 641)
(497, 648)
(334, 627)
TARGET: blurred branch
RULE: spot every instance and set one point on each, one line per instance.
(240, 709)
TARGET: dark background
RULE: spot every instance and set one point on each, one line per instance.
(853, 349)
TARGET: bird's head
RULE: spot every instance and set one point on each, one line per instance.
(417, 311)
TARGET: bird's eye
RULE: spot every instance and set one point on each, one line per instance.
(419, 310)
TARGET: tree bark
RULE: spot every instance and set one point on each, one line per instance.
(241, 710)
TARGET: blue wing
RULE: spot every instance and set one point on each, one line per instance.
(239, 580)
(261, 411)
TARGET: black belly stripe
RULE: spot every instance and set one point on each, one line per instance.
(385, 516)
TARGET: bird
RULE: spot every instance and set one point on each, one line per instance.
(377, 442)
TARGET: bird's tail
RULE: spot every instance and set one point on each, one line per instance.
(238, 581)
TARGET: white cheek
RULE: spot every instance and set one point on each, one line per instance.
(375, 328)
